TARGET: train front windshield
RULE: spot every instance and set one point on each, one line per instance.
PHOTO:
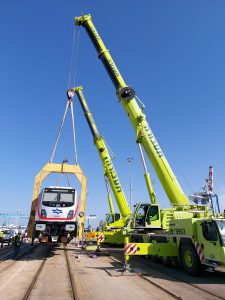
(58, 197)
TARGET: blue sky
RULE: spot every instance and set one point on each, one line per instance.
(171, 52)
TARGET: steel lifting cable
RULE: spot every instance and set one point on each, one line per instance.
(59, 132)
(72, 79)
(111, 154)
(74, 131)
(60, 175)
(69, 103)
(68, 179)
(74, 57)
(71, 82)
(142, 104)
(58, 180)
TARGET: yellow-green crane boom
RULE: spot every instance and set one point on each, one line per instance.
(109, 169)
(144, 134)
(111, 207)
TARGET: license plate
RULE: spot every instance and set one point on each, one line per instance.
(54, 238)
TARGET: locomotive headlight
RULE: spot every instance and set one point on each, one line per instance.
(43, 213)
(70, 214)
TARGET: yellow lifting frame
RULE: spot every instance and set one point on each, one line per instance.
(48, 169)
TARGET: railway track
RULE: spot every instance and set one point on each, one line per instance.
(13, 256)
(174, 296)
(73, 285)
(34, 280)
(192, 285)
(68, 272)
(118, 258)
(36, 277)
(13, 253)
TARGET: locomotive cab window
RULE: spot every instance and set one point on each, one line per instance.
(58, 198)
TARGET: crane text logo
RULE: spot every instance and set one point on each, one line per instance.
(113, 174)
(153, 140)
(94, 32)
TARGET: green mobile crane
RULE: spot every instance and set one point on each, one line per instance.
(114, 221)
(189, 233)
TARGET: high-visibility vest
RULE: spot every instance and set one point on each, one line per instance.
(17, 239)
(1, 234)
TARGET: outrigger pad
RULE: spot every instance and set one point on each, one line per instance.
(122, 272)
(89, 247)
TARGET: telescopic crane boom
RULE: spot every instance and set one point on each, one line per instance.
(109, 169)
(145, 137)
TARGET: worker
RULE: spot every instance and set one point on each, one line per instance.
(17, 240)
(49, 242)
(1, 238)
(68, 237)
(40, 237)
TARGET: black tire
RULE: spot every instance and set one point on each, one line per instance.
(189, 259)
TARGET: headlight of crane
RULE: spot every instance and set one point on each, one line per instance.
(70, 214)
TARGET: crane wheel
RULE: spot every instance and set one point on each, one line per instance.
(189, 259)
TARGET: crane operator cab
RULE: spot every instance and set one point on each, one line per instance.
(147, 215)
(114, 220)
(111, 218)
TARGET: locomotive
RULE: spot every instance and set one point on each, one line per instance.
(56, 215)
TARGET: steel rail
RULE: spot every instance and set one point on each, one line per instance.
(35, 278)
(150, 281)
(15, 258)
(72, 282)
(118, 260)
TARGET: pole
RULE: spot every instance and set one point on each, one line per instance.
(130, 160)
